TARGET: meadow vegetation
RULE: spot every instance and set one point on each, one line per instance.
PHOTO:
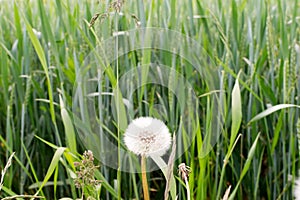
(252, 47)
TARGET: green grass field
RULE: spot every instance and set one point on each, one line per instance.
(222, 75)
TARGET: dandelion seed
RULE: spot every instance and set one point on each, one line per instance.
(147, 136)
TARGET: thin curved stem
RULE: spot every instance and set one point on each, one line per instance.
(144, 179)
(188, 192)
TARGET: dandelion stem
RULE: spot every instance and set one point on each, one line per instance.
(144, 178)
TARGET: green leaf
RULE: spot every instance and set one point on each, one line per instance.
(46, 142)
(246, 167)
(106, 184)
(18, 23)
(52, 166)
(69, 129)
(267, 90)
(41, 55)
(277, 132)
(271, 110)
(121, 112)
(236, 111)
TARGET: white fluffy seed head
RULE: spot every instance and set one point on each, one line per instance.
(147, 136)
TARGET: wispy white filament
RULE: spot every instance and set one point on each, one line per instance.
(297, 189)
(147, 136)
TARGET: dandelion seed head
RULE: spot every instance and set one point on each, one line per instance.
(147, 136)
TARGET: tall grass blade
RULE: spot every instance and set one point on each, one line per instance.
(246, 167)
(236, 106)
(69, 129)
(272, 110)
(54, 162)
